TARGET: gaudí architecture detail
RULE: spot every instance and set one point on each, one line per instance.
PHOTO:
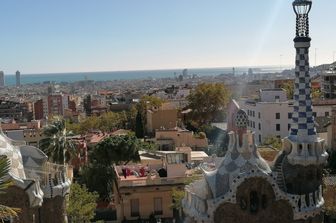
(39, 187)
(244, 188)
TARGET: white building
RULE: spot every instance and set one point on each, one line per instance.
(271, 114)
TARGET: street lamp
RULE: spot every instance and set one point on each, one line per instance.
(302, 9)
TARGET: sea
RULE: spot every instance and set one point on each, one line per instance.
(128, 75)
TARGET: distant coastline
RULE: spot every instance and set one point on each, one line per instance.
(128, 75)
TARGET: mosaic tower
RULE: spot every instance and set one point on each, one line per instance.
(302, 129)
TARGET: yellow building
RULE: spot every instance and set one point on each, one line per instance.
(169, 139)
(163, 117)
(144, 190)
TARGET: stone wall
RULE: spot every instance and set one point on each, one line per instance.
(17, 198)
(52, 210)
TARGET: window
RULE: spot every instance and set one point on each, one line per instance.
(326, 114)
(277, 127)
(259, 138)
(277, 115)
(289, 126)
(253, 113)
(254, 202)
(314, 114)
(258, 114)
(158, 206)
(259, 126)
(135, 207)
(289, 115)
(253, 124)
(277, 97)
(177, 158)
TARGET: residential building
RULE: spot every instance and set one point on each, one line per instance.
(38, 109)
(144, 191)
(162, 117)
(29, 132)
(328, 88)
(11, 110)
(169, 139)
(271, 114)
(57, 104)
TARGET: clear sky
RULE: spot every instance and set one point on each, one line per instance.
(44, 36)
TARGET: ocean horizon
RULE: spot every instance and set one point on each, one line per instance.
(128, 75)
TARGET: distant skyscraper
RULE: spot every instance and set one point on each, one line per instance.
(18, 78)
(185, 72)
(2, 79)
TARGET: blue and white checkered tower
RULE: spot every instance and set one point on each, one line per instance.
(303, 128)
(305, 147)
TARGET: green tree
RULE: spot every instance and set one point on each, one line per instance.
(117, 150)
(207, 101)
(273, 141)
(316, 93)
(5, 211)
(289, 88)
(96, 172)
(114, 150)
(145, 103)
(82, 204)
(139, 128)
(57, 143)
(177, 196)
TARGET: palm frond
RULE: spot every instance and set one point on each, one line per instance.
(5, 211)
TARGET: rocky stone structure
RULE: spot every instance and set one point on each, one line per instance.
(39, 187)
(243, 187)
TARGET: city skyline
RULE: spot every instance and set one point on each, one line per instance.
(85, 36)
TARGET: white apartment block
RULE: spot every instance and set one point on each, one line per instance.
(271, 114)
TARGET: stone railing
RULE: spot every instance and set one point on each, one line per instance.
(43, 173)
(150, 180)
(195, 205)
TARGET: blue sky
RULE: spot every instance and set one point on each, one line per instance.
(45, 36)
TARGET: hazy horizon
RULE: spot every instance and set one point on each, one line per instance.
(111, 35)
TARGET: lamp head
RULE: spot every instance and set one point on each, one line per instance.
(302, 7)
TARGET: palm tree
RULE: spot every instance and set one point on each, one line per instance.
(58, 145)
(5, 212)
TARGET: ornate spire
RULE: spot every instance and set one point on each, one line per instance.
(303, 128)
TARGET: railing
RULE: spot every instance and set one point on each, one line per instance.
(42, 173)
(148, 181)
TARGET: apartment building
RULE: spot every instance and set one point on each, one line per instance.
(162, 117)
(271, 114)
(144, 190)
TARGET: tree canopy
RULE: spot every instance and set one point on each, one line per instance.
(82, 204)
(114, 150)
(207, 101)
(117, 150)
(57, 143)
